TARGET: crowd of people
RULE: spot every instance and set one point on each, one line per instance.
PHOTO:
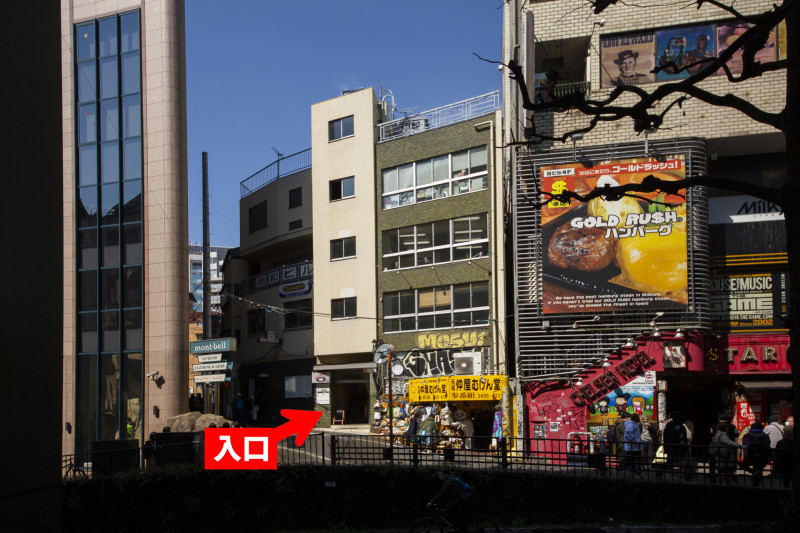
(637, 444)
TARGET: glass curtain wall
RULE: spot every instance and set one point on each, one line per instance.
(110, 278)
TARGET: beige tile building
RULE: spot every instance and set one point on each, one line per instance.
(125, 218)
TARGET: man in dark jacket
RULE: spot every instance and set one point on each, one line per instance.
(455, 498)
(758, 452)
(675, 439)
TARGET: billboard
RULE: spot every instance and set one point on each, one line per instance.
(627, 60)
(622, 255)
(745, 301)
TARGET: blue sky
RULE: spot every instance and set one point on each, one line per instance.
(254, 68)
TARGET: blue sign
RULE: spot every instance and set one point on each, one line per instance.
(213, 345)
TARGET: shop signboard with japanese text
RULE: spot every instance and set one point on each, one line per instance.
(614, 255)
(457, 389)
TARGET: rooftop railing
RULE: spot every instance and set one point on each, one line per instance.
(439, 117)
(277, 169)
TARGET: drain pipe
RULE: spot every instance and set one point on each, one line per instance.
(493, 217)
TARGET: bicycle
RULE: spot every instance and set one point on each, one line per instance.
(437, 522)
(74, 471)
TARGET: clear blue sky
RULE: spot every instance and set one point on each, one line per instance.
(255, 67)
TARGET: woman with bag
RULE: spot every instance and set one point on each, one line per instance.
(724, 450)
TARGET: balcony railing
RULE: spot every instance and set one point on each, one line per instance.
(277, 169)
(544, 94)
(439, 117)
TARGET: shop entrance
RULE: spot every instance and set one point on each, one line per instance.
(352, 397)
(700, 402)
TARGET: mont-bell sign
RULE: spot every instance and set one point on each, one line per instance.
(213, 345)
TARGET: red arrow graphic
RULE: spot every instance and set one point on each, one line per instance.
(300, 423)
(255, 448)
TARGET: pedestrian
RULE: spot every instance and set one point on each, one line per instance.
(497, 427)
(254, 411)
(632, 446)
(649, 441)
(675, 440)
(238, 408)
(758, 451)
(774, 430)
(784, 460)
(413, 427)
(724, 417)
(724, 450)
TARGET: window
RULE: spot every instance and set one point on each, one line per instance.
(297, 386)
(450, 306)
(342, 248)
(295, 197)
(258, 217)
(340, 128)
(256, 322)
(295, 224)
(301, 317)
(437, 242)
(438, 177)
(343, 308)
(343, 188)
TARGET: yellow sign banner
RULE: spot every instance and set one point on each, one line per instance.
(457, 389)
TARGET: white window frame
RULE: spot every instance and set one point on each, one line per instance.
(451, 312)
(418, 253)
(393, 195)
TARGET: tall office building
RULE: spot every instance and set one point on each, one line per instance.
(125, 218)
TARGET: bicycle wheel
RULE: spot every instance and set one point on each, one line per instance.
(426, 525)
(482, 524)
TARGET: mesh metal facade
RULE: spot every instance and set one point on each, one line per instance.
(557, 346)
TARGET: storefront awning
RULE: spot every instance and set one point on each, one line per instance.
(346, 366)
(764, 385)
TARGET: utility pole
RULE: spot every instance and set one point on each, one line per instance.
(214, 407)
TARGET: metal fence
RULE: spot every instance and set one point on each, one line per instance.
(278, 168)
(439, 117)
(568, 457)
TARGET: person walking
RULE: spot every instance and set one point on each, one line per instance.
(724, 418)
(758, 451)
(784, 461)
(724, 450)
(649, 441)
(675, 440)
(632, 446)
(774, 430)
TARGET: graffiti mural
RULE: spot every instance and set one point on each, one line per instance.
(427, 363)
(465, 339)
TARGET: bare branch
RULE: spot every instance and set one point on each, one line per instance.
(653, 184)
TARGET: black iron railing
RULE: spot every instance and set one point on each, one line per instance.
(570, 457)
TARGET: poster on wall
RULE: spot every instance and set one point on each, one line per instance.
(628, 254)
(748, 301)
(728, 33)
(678, 48)
(749, 409)
(638, 397)
(627, 60)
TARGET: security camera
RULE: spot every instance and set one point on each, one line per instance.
(153, 375)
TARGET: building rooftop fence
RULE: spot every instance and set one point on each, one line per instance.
(439, 117)
(279, 168)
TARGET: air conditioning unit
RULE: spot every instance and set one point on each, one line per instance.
(269, 336)
(467, 364)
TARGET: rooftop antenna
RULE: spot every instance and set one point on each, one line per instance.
(391, 97)
(278, 162)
